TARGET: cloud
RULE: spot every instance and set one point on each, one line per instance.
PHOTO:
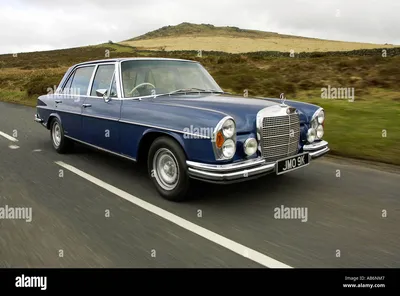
(51, 24)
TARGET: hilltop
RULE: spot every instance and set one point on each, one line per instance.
(206, 37)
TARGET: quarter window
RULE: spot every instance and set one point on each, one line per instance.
(81, 80)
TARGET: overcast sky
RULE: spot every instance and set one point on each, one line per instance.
(33, 25)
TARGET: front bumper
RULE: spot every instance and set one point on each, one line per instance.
(245, 170)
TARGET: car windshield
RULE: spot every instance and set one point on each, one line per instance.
(156, 77)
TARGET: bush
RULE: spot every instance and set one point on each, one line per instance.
(41, 85)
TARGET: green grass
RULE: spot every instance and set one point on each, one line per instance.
(367, 128)
(353, 129)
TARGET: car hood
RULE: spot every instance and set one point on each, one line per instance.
(242, 109)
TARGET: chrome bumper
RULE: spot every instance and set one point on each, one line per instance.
(245, 170)
(38, 119)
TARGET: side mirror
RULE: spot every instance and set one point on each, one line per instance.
(103, 93)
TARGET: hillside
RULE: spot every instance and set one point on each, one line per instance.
(366, 128)
(205, 37)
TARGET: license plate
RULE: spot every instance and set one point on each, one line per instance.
(292, 163)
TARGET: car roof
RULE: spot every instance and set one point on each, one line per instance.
(130, 59)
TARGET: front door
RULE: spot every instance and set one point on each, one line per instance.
(100, 117)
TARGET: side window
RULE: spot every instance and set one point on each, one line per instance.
(102, 79)
(80, 83)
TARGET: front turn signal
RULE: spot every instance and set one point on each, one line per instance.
(219, 141)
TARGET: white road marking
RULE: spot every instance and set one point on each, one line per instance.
(13, 147)
(201, 231)
(8, 137)
(37, 150)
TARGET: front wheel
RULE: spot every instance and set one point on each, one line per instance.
(167, 168)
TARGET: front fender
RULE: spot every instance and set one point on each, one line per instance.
(153, 131)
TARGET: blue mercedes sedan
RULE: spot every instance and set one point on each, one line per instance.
(172, 115)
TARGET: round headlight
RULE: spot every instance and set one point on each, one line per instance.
(320, 132)
(228, 128)
(311, 134)
(229, 148)
(314, 123)
(250, 146)
(321, 117)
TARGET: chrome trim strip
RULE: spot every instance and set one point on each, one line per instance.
(57, 92)
(315, 146)
(118, 80)
(44, 107)
(136, 123)
(164, 128)
(288, 145)
(277, 146)
(316, 113)
(270, 167)
(269, 137)
(99, 117)
(69, 112)
(198, 108)
(102, 149)
(89, 91)
(225, 167)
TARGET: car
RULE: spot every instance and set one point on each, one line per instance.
(171, 115)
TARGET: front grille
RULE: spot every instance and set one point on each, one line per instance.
(276, 140)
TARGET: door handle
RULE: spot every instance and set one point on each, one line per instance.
(86, 105)
(58, 101)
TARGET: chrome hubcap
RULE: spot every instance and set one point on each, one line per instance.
(56, 134)
(166, 169)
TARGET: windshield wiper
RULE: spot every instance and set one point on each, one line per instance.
(187, 90)
(194, 89)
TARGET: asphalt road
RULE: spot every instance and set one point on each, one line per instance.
(70, 227)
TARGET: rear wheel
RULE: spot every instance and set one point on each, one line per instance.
(60, 143)
(167, 168)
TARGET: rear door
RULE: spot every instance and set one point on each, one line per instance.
(100, 118)
(68, 103)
